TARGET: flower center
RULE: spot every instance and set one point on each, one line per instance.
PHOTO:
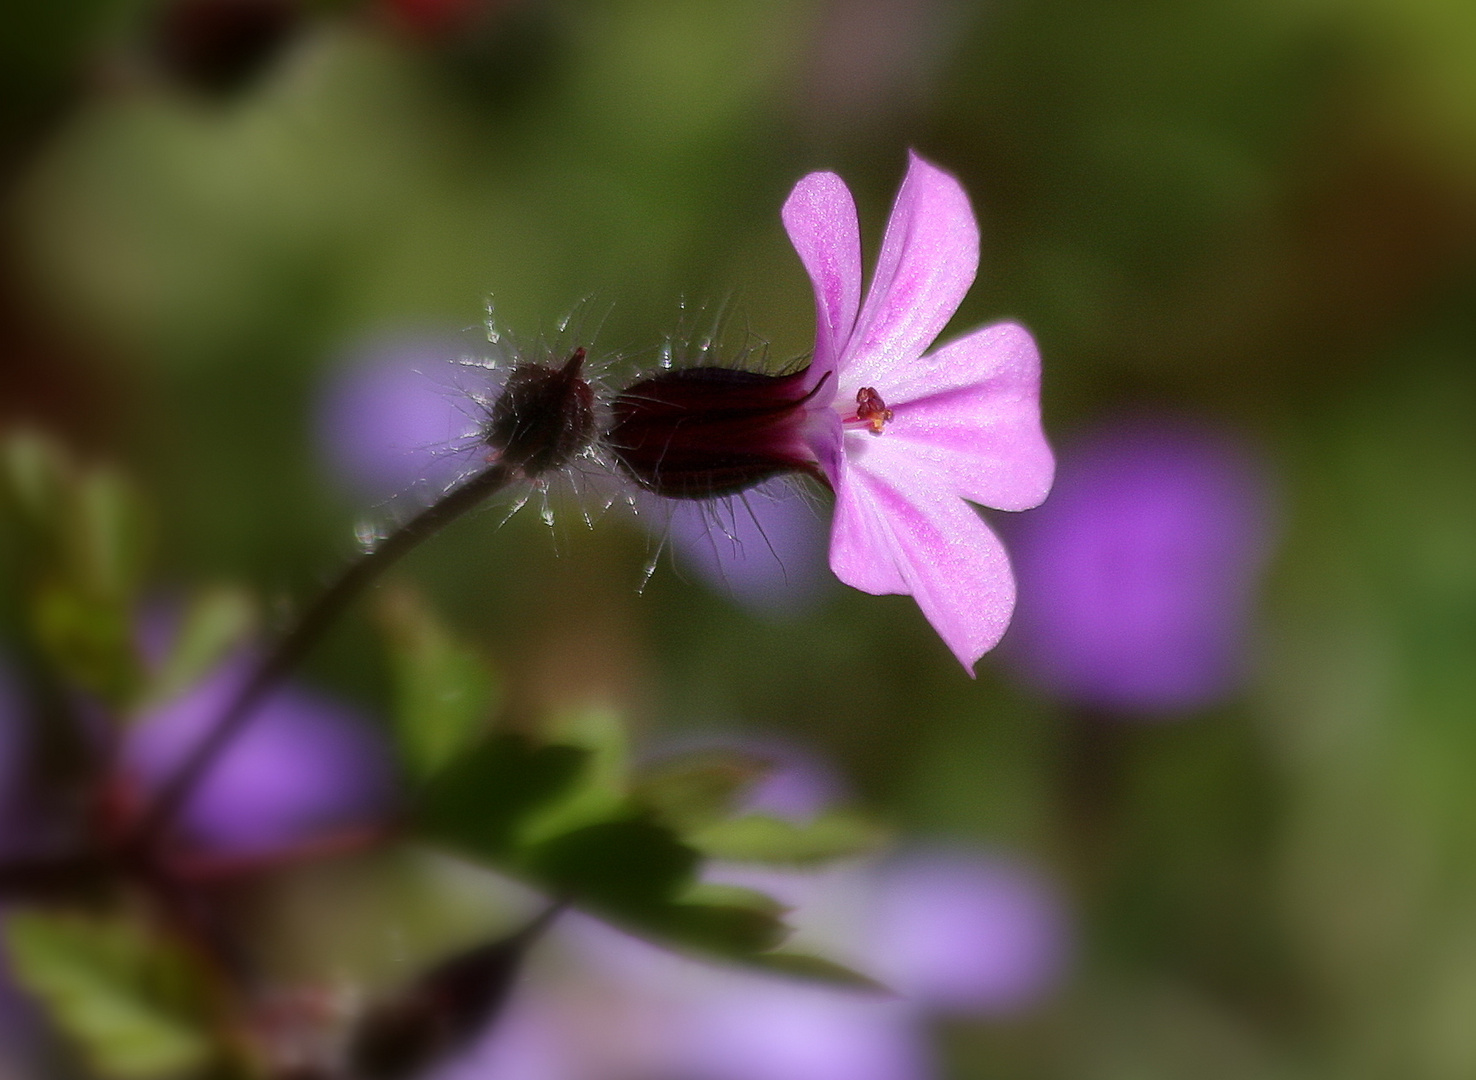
(871, 410)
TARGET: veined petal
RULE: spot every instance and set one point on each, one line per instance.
(820, 217)
(973, 428)
(862, 549)
(928, 260)
(933, 545)
(1001, 355)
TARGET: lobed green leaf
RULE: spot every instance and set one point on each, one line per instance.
(130, 1002)
(625, 867)
(765, 839)
(603, 791)
(815, 969)
(445, 691)
(215, 621)
(695, 789)
(481, 802)
(88, 538)
(89, 638)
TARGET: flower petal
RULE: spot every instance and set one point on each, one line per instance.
(928, 260)
(932, 545)
(820, 217)
(862, 551)
(969, 423)
(1001, 355)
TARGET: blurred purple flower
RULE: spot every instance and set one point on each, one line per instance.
(12, 752)
(799, 787)
(776, 1030)
(953, 928)
(524, 1044)
(906, 435)
(627, 1008)
(394, 416)
(959, 931)
(969, 932)
(798, 783)
(304, 768)
(24, 827)
(20, 1026)
(764, 548)
(1139, 575)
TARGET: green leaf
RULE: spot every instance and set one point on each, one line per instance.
(87, 539)
(714, 892)
(627, 867)
(695, 789)
(481, 802)
(88, 638)
(108, 531)
(130, 1002)
(603, 790)
(760, 838)
(725, 921)
(215, 621)
(733, 931)
(815, 969)
(445, 691)
(37, 473)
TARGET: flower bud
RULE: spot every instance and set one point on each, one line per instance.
(695, 433)
(544, 417)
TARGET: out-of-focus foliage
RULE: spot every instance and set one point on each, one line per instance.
(86, 533)
(136, 1005)
(563, 809)
(156, 984)
(446, 692)
(1251, 216)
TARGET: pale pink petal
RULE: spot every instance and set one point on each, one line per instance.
(935, 547)
(974, 430)
(928, 260)
(820, 217)
(861, 545)
(1001, 355)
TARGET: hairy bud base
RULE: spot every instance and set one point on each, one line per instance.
(544, 417)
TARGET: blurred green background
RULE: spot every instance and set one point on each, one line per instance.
(1255, 211)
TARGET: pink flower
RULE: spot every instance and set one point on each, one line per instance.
(905, 435)
(902, 435)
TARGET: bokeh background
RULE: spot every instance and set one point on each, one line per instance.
(1233, 733)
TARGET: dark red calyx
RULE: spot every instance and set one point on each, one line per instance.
(544, 417)
(694, 433)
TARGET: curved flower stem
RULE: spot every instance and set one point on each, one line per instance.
(300, 639)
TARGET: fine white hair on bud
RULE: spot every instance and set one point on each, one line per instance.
(544, 417)
(714, 418)
(411, 417)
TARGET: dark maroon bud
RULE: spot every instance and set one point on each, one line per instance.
(694, 433)
(435, 1016)
(544, 417)
(217, 47)
(441, 1011)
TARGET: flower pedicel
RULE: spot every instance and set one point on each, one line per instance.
(902, 435)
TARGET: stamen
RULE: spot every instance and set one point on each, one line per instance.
(871, 410)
